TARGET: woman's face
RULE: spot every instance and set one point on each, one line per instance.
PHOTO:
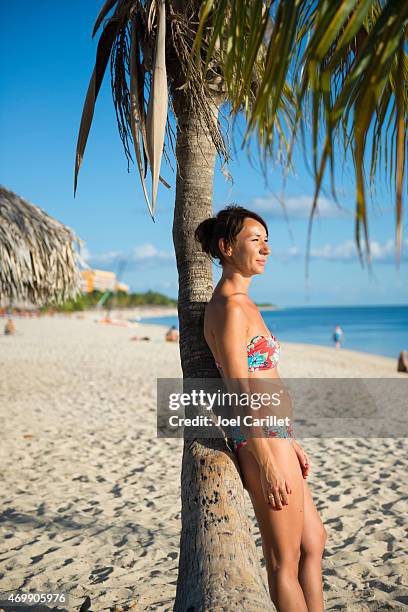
(249, 252)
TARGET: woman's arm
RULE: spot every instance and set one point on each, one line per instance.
(300, 453)
(231, 338)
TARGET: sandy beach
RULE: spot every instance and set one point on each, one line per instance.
(90, 499)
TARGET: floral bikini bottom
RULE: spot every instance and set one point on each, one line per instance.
(279, 431)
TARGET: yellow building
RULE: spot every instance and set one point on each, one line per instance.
(122, 287)
(101, 280)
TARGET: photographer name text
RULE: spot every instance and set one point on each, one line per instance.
(248, 420)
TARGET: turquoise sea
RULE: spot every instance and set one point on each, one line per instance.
(382, 330)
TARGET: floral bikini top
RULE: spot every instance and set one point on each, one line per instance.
(263, 353)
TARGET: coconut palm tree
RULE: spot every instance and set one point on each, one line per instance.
(340, 65)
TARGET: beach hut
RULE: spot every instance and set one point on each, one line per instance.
(38, 261)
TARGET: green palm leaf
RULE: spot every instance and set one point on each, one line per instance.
(347, 63)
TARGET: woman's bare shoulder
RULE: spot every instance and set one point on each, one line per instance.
(221, 309)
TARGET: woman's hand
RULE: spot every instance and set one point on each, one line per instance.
(302, 457)
(274, 486)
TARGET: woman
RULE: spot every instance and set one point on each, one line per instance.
(293, 536)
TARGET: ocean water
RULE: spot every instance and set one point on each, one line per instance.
(382, 330)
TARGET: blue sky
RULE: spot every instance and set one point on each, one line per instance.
(46, 59)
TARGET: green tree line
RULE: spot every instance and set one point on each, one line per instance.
(119, 299)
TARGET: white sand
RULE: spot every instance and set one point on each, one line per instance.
(91, 498)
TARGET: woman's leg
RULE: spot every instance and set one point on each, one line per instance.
(281, 530)
(311, 548)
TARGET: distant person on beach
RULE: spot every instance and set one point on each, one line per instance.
(402, 365)
(338, 336)
(9, 328)
(172, 334)
(273, 467)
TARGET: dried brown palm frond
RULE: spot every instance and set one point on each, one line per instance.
(202, 93)
(137, 110)
(141, 38)
(120, 67)
(38, 262)
(106, 41)
(129, 106)
(105, 10)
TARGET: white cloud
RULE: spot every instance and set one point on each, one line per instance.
(149, 251)
(290, 254)
(380, 252)
(344, 251)
(142, 254)
(298, 207)
(347, 251)
(106, 258)
(293, 251)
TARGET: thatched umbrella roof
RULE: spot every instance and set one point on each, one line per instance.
(38, 262)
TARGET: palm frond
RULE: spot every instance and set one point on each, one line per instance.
(158, 104)
(124, 39)
(202, 93)
(105, 44)
(245, 43)
(107, 7)
(358, 69)
(400, 91)
(137, 114)
(347, 62)
(120, 67)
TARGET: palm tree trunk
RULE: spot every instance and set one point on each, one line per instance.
(218, 564)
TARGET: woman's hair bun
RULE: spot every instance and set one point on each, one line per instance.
(204, 233)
